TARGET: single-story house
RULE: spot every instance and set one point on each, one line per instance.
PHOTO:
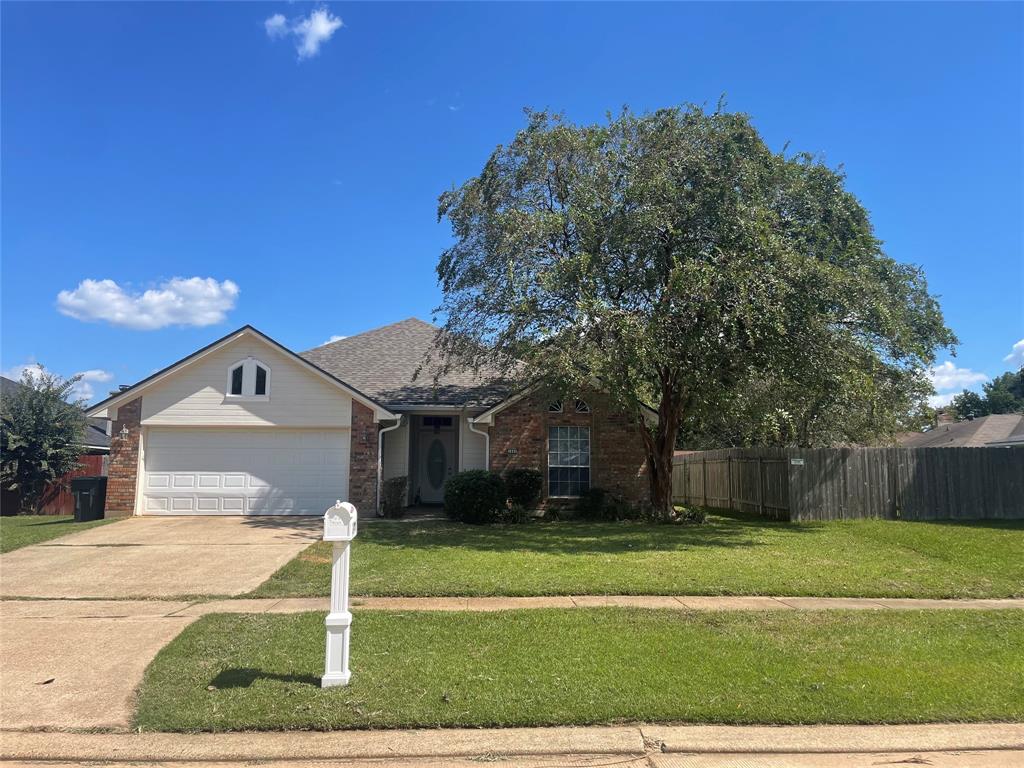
(994, 431)
(95, 447)
(246, 426)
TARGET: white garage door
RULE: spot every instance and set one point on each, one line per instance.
(244, 471)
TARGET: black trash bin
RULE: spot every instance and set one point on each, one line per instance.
(90, 495)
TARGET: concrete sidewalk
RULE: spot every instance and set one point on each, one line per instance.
(41, 609)
(639, 742)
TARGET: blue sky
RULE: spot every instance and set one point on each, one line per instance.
(260, 163)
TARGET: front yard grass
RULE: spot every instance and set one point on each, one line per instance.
(21, 530)
(548, 667)
(732, 554)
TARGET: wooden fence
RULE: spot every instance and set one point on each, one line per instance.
(850, 483)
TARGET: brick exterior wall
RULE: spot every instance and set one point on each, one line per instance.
(362, 469)
(124, 461)
(617, 458)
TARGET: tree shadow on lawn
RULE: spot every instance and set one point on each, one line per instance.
(729, 531)
(244, 677)
(992, 524)
(58, 521)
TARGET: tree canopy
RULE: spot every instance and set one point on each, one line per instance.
(1004, 394)
(40, 436)
(675, 260)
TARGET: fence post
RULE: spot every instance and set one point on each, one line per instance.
(728, 474)
(760, 486)
(704, 478)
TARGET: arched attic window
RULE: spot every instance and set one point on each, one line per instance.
(249, 379)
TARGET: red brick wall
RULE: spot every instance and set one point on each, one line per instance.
(124, 461)
(362, 469)
(617, 457)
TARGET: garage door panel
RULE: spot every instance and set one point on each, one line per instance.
(244, 471)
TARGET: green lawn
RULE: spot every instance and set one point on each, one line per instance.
(22, 530)
(731, 555)
(547, 667)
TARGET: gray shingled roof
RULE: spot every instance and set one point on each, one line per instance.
(383, 364)
(967, 434)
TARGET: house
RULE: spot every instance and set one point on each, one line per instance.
(985, 431)
(95, 446)
(247, 426)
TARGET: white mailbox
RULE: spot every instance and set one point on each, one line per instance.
(340, 522)
(340, 525)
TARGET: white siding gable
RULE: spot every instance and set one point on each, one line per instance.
(196, 395)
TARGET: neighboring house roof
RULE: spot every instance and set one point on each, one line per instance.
(130, 393)
(95, 433)
(93, 436)
(1001, 429)
(395, 364)
(8, 387)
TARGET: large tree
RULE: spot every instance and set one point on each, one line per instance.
(40, 436)
(674, 259)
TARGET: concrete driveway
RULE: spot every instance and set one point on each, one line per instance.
(68, 664)
(147, 557)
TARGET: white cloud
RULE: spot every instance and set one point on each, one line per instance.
(310, 32)
(335, 338)
(277, 26)
(941, 401)
(1016, 356)
(179, 301)
(16, 372)
(948, 378)
(82, 390)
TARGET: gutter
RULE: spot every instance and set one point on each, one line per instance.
(487, 442)
(380, 459)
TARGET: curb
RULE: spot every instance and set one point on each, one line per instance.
(453, 743)
(306, 745)
(818, 739)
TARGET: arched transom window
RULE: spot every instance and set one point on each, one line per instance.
(249, 379)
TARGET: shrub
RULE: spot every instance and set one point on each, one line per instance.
(476, 497)
(517, 513)
(595, 504)
(696, 515)
(393, 495)
(524, 487)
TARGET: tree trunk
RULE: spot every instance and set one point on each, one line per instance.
(659, 471)
(660, 448)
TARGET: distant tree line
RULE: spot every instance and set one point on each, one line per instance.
(1004, 394)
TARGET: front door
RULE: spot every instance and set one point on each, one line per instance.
(436, 464)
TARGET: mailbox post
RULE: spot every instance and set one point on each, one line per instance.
(340, 524)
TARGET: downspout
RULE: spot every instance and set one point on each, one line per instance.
(380, 460)
(487, 443)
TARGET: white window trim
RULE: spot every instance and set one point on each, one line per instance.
(248, 381)
(589, 466)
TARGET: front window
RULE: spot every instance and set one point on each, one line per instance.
(568, 461)
(249, 379)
